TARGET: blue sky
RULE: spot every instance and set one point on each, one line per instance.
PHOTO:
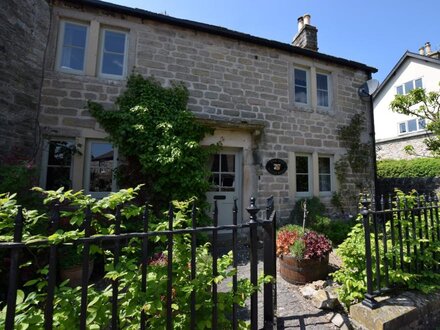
(373, 32)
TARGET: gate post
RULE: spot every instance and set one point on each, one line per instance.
(269, 265)
(253, 210)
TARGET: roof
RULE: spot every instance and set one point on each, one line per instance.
(406, 56)
(220, 31)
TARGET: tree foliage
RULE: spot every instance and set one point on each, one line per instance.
(159, 139)
(423, 105)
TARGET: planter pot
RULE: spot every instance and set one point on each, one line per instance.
(300, 271)
(74, 274)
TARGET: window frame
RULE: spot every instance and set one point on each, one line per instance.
(402, 86)
(45, 160)
(329, 88)
(87, 166)
(405, 124)
(101, 53)
(60, 46)
(308, 86)
(330, 174)
(309, 192)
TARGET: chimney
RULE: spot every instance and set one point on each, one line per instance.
(422, 50)
(427, 48)
(307, 35)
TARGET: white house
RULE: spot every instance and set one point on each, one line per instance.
(394, 131)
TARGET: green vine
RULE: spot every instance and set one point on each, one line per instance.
(355, 163)
(159, 139)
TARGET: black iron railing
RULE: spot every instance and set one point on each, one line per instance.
(117, 241)
(402, 234)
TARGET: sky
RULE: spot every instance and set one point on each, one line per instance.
(373, 32)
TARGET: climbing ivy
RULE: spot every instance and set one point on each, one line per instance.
(159, 139)
(355, 164)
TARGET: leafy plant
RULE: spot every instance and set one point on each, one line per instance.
(159, 138)
(314, 209)
(409, 168)
(302, 244)
(335, 229)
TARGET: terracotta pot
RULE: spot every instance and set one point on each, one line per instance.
(300, 271)
(74, 274)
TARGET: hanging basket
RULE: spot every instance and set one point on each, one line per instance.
(301, 271)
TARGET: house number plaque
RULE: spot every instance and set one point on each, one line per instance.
(276, 166)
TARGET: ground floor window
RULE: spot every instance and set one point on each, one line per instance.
(57, 164)
(100, 167)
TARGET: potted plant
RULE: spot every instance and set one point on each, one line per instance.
(303, 254)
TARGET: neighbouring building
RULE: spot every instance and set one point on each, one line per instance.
(270, 103)
(394, 131)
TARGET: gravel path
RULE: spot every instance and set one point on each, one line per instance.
(293, 310)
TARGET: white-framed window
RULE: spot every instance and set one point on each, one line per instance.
(113, 55)
(303, 175)
(409, 86)
(72, 46)
(412, 125)
(323, 90)
(57, 164)
(101, 162)
(325, 173)
(301, 86)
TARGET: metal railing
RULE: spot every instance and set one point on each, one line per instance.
(401, 235)
(117, 241)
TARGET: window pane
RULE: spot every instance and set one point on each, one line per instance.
(412, 125)
(324, 165)
(409, 86)
(321, 81)
(101, 167)
(215, 162)
(418, 83)
(402, 128)
(58, 177)
(228, 163)
(114, 42)
(72, 58)
(60, 153)
(400, 90)
(74, 35)
(302, 164)
(422, 124)
(113, 64)
(300, 77)
(228, 182)
(302, 183)
(300, 94)
(324, 182)
(323, 98)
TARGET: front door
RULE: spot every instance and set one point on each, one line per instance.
(226, 178)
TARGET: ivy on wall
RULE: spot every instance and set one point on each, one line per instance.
(159, 139)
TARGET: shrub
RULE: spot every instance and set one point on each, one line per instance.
(314, 209)
(335, 229)
(413, 168)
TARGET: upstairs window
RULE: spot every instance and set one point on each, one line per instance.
(412, 125)
(409, 86)
(73, 47)
(300, 88)
(322, 89)
(113, 53)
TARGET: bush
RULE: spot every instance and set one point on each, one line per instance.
(336, 230)
(314, 209)
(413, 168)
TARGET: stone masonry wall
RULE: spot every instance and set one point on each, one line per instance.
(23, 34)
(396, 149)
(230, 81)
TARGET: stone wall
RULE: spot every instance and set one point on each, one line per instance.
(24, 31)
(232, 83)
(395, 149)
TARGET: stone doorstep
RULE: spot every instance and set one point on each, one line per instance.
(408, 310)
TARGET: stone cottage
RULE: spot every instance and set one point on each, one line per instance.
(276, 107)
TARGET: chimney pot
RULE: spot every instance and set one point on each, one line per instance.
(422, 50)
(427, 48)
(300, 23)
(306, 19)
